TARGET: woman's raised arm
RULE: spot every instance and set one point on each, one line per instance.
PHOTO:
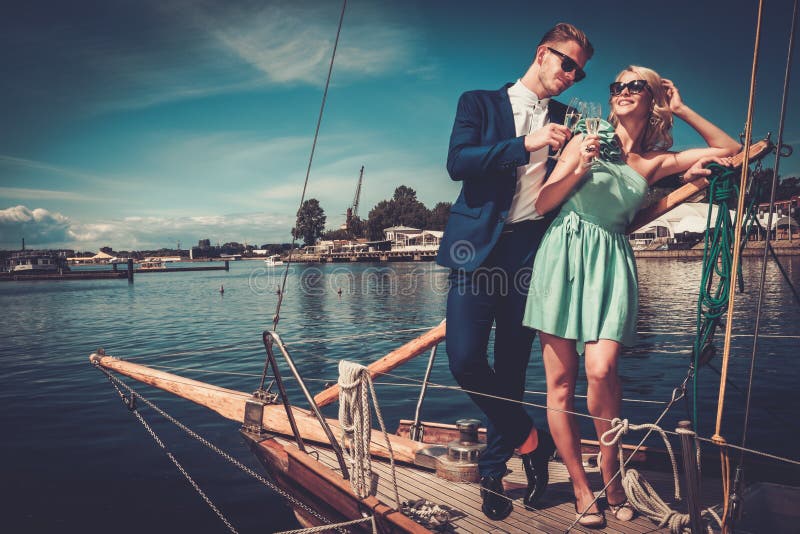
(719, 143)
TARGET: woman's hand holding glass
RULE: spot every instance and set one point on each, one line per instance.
(591, 117)
(589, 148)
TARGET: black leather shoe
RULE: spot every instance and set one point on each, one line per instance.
(536, 471)
(496, 505)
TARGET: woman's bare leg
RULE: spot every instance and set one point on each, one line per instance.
(561, 369)
(604, 396)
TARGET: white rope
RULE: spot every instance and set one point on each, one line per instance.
(430, 515)
(335, 526)
(355, 384)
(639, 492)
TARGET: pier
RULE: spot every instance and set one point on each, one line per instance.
(367, 256)
(106, 274)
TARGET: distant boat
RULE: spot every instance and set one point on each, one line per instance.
(151, 264)
(36, 262)
(273, 260)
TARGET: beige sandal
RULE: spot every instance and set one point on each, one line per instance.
(623, 511)
(590, 519)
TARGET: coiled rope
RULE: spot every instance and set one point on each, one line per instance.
(640, 493)
(355, 387)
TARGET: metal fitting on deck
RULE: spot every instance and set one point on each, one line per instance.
(460, 464)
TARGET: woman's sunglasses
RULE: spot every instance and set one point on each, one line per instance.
(568, 64)
(634, 87)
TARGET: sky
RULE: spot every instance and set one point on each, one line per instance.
(141, 125)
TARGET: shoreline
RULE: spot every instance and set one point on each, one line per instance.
(752, 249)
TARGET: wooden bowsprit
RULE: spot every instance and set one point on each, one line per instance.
(689, 190)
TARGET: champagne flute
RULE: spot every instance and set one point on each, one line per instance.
(592, 117)
(575, 110)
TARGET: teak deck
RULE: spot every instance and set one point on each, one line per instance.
(556, 511)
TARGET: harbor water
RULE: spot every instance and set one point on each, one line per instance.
(74, 459)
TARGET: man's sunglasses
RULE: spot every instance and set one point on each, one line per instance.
(568, 64)
(634, 87)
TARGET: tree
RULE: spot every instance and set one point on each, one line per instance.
(339, 234)
(407, 210)
(437, 217)
(357, 227)
(787, 187)
(402, 210)
(310, 222)
(379, 217)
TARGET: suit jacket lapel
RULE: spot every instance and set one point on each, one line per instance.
(506, 120)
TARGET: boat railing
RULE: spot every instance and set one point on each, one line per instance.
(271, 337)
(417, 428)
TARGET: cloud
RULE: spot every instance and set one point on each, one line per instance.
(12, 161)
(206, 49)
(293, 43)
(42, 194)
(45, 229)
(37, 227)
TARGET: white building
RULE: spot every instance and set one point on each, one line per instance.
(427, 240)
(686, 218)
(400, 236)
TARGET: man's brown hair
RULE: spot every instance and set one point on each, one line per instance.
(562, 32)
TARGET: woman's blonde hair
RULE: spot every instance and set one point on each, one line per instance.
(658, 130)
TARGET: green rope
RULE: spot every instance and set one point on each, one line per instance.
(717, 262)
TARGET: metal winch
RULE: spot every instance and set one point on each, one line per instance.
(460, 464)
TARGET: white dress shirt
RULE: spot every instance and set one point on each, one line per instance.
(530, 114)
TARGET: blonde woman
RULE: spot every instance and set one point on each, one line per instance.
(583, 296)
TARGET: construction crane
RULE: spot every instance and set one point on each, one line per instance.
(352, 211)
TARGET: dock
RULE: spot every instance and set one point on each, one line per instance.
(367, 256)
(106, 274)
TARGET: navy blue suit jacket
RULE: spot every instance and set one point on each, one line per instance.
(484, 155)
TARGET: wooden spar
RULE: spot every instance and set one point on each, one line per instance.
(413, 348)
(687, 191)
(230, 404)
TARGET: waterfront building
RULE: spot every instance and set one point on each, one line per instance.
(399, 236)
(37, 261)
(683, 225)
(425, 240)
(784, 222)
(100, 257)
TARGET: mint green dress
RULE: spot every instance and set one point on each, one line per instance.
(584, 285)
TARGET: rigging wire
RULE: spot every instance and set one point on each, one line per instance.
(740, 466)
(181, 380)
(130, 402)
(391, 335)
(328, 380)
(276, 318)
(748, 131)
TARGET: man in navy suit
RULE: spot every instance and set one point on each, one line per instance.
(499, 150)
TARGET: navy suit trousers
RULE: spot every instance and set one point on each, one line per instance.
(495, 294)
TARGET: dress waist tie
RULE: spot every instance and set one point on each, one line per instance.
(573, 221)
(572, 225)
